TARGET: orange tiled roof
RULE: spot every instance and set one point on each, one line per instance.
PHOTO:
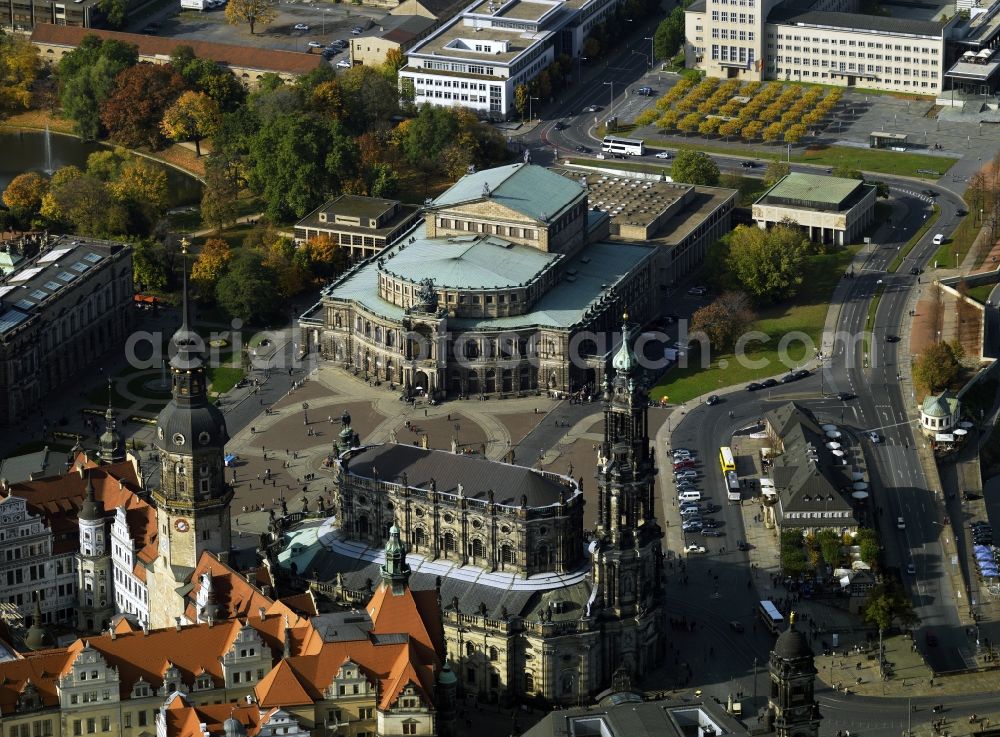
(303, 603)
(59, 498)
(414, 612)
(281, 687)
(234, 595)
(184, 719)
(42, 669)
(192, 649)
(244, 57)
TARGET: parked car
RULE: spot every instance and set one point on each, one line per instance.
(754, 386)
(692, 526)
(344, 64)
(688, 473)
(712, 400)
(315, 45)
(768, 383)
(692, 548)
(689, 512)
(357, 30)
(645, 91)
(712, 508)
(301, 26)
(788, 378)
(711, 523)
(874, 437)
(688, 451)
(712, 533)
(801, 374)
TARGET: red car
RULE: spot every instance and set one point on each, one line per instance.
(687, 463)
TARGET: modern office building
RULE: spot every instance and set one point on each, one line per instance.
(487, 293)
(830, 209)
(61, 309)
(23, 15)
(479, 57)
(822, 41)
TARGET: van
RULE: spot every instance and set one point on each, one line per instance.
(938, 239)
(690, 496)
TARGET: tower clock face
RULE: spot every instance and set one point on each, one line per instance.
(181, 525)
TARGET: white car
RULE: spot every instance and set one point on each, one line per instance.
(874, 437)
(315, 45)
(692, 548)
(344, 63)
(301, 26)
(663, 155)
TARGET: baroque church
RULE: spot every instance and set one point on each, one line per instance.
(533, 605)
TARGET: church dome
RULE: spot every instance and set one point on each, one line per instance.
(447, 676)
(183, 429)
(233, 728)
(38, 636)
(792, 644)
(624, 360)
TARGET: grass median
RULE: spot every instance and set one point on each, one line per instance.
(905, 250)
(806, 313)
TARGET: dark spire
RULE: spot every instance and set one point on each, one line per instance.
(38, 637)
(395, 571)
(112, 446)
(89, 510)
(187, 362)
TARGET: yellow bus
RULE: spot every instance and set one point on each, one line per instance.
(726, 460)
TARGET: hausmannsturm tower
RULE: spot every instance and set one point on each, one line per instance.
(192, 500)
(627, 557)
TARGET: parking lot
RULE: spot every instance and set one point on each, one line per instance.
(324, 22)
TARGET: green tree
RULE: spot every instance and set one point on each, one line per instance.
(219, 195)
(695, 167)
(150, 266)
(829, 546)
(86, 204)
(669, 34)
(428, 135)
(86, 79)
(768, 263)
(295, 160)
(868, 546)
(141, 186)
(192, 117)
(247, 289)
(370, 99)
(250, 12)
(888, 603)
(842, 170)
(775, 172)
(115, 11)
(18, 70)
(521, 94)
(211, 264)
(937, 368)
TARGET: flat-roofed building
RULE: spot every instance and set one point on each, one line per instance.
(60, 310)
(680, 219)
(23, 15)
(822, 41)
(832, 209)
(247, 63)
(478, 59)
(362, 226)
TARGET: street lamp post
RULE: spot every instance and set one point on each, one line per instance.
(579, 68)
(611, 107)
(530, 100)
(652, 53)
(305, 413)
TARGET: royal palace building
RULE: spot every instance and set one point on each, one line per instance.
(507, 286)
(532, 605)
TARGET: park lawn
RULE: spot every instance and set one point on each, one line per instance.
(954, 250)
(622, 165)
(864, 159)
(806, 313)
(981, 293)
(223, 378)
(900, 163)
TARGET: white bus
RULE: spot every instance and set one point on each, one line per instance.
(733, 482)
(626, 146)
(771, 616)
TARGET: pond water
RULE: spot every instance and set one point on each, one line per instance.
(22, 151)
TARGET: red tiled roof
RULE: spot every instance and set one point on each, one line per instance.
(185, 720)
(151, 47)
(59, 498)
(414, 612)
(42, 669)
(303, 603)
(281, 687)
(234, 595)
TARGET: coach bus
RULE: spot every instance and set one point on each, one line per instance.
(771, 616)
(733, 487)
(726, 460)
(626, 146)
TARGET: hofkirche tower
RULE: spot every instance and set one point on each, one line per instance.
(627, 558)
(192, 500)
